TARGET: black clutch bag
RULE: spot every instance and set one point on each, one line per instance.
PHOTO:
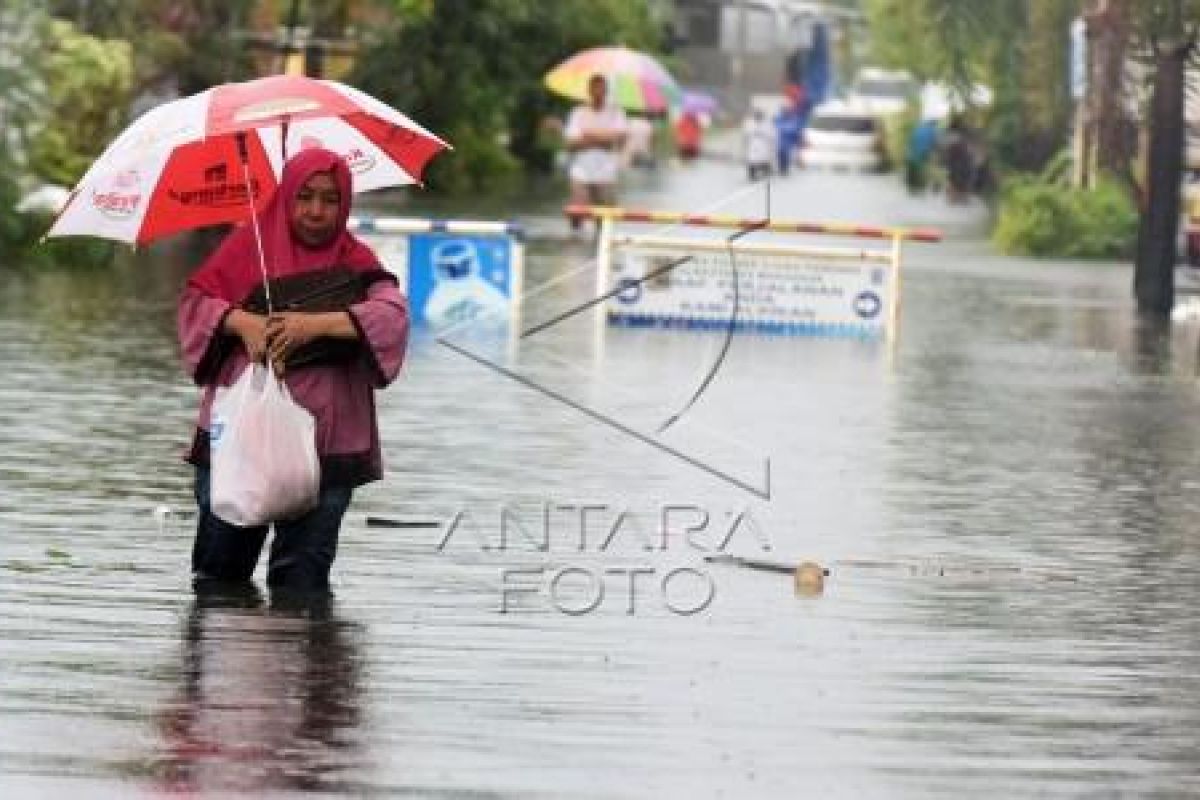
(334, 289)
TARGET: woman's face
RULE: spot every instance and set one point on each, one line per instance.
(316, 210)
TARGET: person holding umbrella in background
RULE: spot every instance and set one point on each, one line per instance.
(608, 81)
(595, 135)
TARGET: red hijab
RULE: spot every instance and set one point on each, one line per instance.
(232, 271)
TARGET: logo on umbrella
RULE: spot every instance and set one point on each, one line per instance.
(217, 191)
(359, 162)
(122, 200)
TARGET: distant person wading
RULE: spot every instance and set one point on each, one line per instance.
(595, 135)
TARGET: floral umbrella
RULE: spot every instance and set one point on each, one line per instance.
(216, 157)
(636, 81)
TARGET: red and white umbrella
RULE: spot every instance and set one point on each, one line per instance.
(179, 167)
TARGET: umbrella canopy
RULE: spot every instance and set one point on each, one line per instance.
(698, 102)
(636, 82)
(213, 157)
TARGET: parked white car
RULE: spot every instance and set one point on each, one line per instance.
(843, 134)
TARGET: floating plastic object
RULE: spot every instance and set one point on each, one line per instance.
(809, 579)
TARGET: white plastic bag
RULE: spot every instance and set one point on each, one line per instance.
(263, 452)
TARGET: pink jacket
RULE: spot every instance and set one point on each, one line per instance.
(341, 397)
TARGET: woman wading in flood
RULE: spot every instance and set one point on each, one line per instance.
(346, 341)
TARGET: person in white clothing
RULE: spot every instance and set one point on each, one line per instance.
(595, 135)
(759, 136)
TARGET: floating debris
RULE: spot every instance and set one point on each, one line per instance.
(813, 571)
(809, 579)
(24, 566)
(763, 564)
(388, 522)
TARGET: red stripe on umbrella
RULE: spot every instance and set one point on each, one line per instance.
(202, 184)
(406, 147)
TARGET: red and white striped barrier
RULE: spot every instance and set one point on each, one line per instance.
(617, 214)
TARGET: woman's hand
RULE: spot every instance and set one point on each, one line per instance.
(289, 331)
(609, 139)
(597, 139)
(251, 329)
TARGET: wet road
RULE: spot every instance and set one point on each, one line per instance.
(1007, 504)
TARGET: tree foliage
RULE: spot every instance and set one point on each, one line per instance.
(88, 81)
(1041, 216)
(471, 70)
(1157, 20)
(22, 90)
(28, 101)
(204, 36)
(1018, 48)
(193, 41)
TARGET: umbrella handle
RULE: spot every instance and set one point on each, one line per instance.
(244, 157)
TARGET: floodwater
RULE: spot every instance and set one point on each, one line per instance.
(1007, 502)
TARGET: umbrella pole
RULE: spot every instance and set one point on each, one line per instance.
(244, 156)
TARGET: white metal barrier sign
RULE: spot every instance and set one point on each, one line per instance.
(779, 290)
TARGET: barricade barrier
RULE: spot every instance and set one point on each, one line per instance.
(780, 288)
(451, 270)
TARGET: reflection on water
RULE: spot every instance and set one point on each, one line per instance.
(1027, 426)
(269, 698)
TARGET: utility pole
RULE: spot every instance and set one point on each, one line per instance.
(1081, 82)
(289, 41)
(1095, 19)
(1104, 142)
(1154, 272)
(1112, 140)
(317, 45)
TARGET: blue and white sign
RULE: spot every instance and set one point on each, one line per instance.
(454, 278)
(451, 272)
(795, 292)
(1078, 59)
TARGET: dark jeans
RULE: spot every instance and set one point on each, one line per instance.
(302, 551)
